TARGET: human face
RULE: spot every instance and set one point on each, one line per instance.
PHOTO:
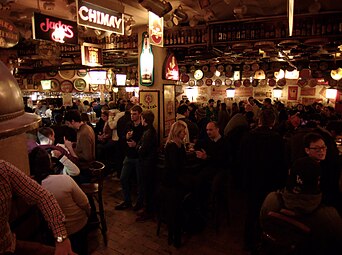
(295, 120)
(104, 117)
(317, 150)
(135, 116)
(212, 131)
(70, 124)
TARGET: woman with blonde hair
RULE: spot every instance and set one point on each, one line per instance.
(174, 184)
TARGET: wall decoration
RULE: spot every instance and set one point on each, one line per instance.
(308, 91)
(66, 86)
(292, 93)
(80, 84)
(169, 108)
(146, 62)
(149, 100)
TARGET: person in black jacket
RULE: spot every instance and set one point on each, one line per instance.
(133, 134)
(147, 150)
(264, 170)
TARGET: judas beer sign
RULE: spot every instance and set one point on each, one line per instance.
(99, 17)
(54, 29)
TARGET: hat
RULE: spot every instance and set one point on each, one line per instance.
(304, 177)
(200, 113)
(13, 119)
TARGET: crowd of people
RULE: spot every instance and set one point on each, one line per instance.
(262, 149)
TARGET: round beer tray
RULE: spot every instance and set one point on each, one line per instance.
(82, 72)
(255, 67)
(246, 83)
(237, 83)
(199, 83)
(55, 86)
(228, 82)
(281, 82)
(272, 82)
(208, 82)
(218, 82)
(255, 83)
(229, 68)
(80, 84)
(220, 68)
(66, 86)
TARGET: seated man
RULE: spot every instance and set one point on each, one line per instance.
(14, 182)
(302, 196)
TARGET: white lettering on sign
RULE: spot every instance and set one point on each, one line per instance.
(45, 27)
(98, 17)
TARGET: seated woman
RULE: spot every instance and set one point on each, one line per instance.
(70, 197)
(46, 136)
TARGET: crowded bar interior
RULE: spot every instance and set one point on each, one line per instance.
(170, 127)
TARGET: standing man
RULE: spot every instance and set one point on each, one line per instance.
(133, 134)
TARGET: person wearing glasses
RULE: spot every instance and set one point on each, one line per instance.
(315, 147)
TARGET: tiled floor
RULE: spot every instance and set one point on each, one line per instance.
(129, 237)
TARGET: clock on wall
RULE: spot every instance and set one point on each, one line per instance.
(198, 74)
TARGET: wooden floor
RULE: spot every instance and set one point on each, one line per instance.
(132, 238)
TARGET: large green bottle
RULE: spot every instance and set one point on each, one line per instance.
(146, 62)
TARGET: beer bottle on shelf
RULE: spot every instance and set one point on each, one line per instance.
(182, 37)
(262, 31)
(224, 33)
(229, 32)
(238, 32)
(323, 27)
(192, 36)
(203, 34)
(303, 27)
(166, 38)
(242, 32)
(252, 32)
(220, 36)
(178, 37)
(329, 26)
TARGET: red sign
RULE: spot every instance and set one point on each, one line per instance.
(170, 68)
(54, 29)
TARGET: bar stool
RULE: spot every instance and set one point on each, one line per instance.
(93, 189)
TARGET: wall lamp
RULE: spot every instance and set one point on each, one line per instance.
(158, 7)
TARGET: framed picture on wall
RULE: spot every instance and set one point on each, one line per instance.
(292, 93)
(169, 108)
(149, 100)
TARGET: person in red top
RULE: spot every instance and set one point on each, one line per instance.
(15, 182)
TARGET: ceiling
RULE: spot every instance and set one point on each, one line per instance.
(20, 11)
(205, 11)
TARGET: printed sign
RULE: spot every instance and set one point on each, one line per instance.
(170, 67)
(54, 29)
(91, 55)
(99, 17)
(9, 35)
(155, 29)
